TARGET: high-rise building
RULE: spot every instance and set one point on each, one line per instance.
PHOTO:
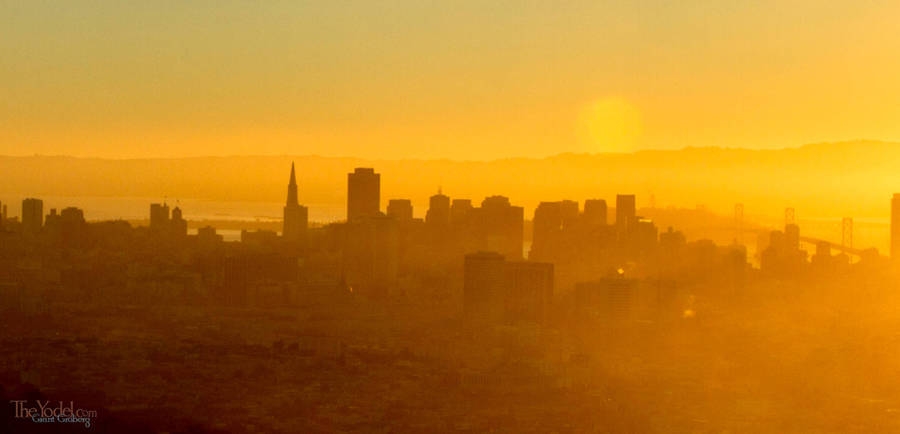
(895, 226)
(609, 298)
(370, 254)
(159, 216)
(529, 291)
(546, 226)
(460, 211)
(792, 236)
(178, 223)
(400, 209)
(626, 215)
(484, 280)
(438, 214)
(569, 212)
(296, 217)
(595, 211)
(71, 226)
(363, 193)
(32, 215)
(501, 227)
(495, 290)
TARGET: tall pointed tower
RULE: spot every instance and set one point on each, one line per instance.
(292, 188)
(296, 217)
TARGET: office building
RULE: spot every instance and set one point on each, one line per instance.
(400, 209)
(438, 215)
(495, 290)
(159, 216)
(626, 215)
(178, 225)
(484, 279)
(595, 212)
(500, 227)
(32, 215)
(363, 193)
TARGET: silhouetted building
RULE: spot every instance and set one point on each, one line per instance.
(400, 209)
(296, 217)
(438, 215)
(625, 213)
(501, 227)
(608, 299)
(792, 236)
(159, 217)
(460, 211)
(370, 254)
(32, 215)
(72, 226)
(497, 290)
(259, 237)
(529, 292)
(178, 225)
(207, 237)
(782, 255)
(546, 228)
(484, 283)
(569, 213)
(363, 193)
(595, 211)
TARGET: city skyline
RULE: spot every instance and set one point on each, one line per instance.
(623, 216)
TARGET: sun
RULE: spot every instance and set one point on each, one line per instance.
(609, 125)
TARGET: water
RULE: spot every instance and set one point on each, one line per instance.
(136, 208)
(867, 232)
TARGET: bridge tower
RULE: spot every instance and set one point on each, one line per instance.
(847, 232)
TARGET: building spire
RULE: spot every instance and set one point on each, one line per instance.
(292, 188)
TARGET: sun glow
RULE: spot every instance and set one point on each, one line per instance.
(610, 125)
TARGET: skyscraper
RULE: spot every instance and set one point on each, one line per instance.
(296, 217)
(484, 285)
(363, 193)
(625, 213)
(460, 211)
(32, 215)
(400, 209)
(178, 223)
(501, 226)
(595, 211)
(369, 254)
(568, 212)
(159, 216)
(71, 226)
(546, 225)
(895, 226)
(438, 214)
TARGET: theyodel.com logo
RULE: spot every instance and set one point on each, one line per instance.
(52, 412)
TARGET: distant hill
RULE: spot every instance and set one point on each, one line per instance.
(822, 180)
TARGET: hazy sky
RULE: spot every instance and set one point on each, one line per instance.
(464, 80)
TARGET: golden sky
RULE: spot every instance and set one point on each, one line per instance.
(455, 79)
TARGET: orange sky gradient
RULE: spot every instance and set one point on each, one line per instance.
(460, 80)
